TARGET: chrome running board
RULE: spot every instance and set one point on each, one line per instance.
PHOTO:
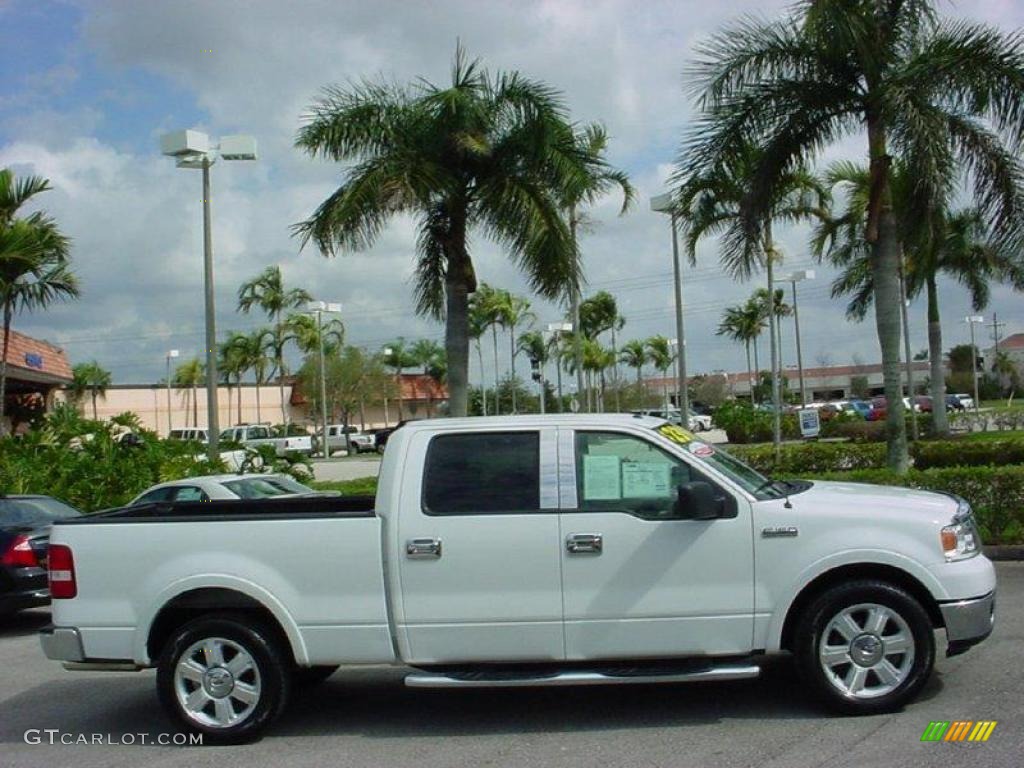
(497, 679)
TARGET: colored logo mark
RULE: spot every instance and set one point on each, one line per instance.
(958, 730)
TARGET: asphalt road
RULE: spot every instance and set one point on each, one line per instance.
(367, 718)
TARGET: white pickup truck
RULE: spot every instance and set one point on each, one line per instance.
(254, 435)
(524, 551)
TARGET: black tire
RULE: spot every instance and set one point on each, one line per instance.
(309, 677)
(269, 673)
(906, 616)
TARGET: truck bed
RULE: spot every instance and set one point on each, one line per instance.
(315, 563)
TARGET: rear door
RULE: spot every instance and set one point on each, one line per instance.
(639, 581)
(479, 547)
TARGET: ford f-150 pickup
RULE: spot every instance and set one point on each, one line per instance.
(514, 551)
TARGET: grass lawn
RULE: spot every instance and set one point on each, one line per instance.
(361, 486)
(1004, 434)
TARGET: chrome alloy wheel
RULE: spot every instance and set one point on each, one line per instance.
(217, 683)
(866, 651)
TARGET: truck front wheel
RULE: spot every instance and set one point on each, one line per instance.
(865, 647)
(224, 677)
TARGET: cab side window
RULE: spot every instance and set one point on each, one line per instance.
(482, 473)
(190, 493)
(622, 473)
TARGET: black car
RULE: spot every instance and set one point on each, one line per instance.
(24, 537)
(953, 403)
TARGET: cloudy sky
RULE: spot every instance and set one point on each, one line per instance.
(89, 87)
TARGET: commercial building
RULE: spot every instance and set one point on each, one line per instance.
(36, 369)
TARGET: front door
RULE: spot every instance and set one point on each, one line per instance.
(638, 581)
(478, 540)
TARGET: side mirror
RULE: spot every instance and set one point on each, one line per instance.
(696, 501)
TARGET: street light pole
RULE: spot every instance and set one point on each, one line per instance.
(173, 353)
(665, 204)
(192, 149)
(794, 278)
(213, 417)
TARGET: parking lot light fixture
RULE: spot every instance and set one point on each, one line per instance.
(192, 149)
(318, 308)
(793, 278)
(665, 203)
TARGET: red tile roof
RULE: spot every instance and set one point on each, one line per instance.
(1016, 341)
(35, 356)
(419, 386)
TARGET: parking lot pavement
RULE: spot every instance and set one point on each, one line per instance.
(346, 469)
(365, 717)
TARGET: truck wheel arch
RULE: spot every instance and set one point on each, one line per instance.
(189, 604)
(853, 571)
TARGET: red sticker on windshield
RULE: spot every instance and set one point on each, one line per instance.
(701, 450)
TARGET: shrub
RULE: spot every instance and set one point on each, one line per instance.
(812, 457)
(363, 486)
(745, 424)
(92, 465)
(995, 493)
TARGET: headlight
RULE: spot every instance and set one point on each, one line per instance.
(960, 539)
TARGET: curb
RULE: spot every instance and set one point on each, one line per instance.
(1004, 552)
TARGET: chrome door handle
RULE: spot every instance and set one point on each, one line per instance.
(423, 548)
(584, 543)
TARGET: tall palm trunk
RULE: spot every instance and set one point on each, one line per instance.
(195, 407)
(909, 362)
(279, 350)
(94, 416)
(8, 317)
(940, 421)
(483, 379)
(615, 373)
(574, 301)
(883, 234)
(750, 372)
(401, 394)
(497, 381)
(512, 343)
(259, 413)
(757, 375)
(773, 347)
(238, 384)
(459, 283)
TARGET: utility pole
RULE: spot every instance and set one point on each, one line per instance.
(995, 325)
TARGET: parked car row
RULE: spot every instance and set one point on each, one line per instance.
(877, 408)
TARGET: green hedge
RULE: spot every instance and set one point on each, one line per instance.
(995, 493)
(796, 458)
(363, 486)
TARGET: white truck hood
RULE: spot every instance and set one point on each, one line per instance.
(842, 498)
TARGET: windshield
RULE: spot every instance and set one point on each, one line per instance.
(743, 475)
(265, 487)
(34, 511)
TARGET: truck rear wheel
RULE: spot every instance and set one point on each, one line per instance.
(224, 677)
(865, 647)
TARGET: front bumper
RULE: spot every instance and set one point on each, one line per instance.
(61, 643)
(968, 622)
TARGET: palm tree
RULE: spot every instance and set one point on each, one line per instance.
(491, 153)
(89, 379)
(592, 142)
(487, 305)
(661, 356)
(743, 323)
(231, 364)
(512, 311)
(599, 314)
(429, 355)
(478, 320)
(396, 355)
(712, 202)
(189, 376)
(955, 243)
(253, 349)
(634, 355)
(267, 292)
(932, 92)
(303, 330)
(34, 269)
